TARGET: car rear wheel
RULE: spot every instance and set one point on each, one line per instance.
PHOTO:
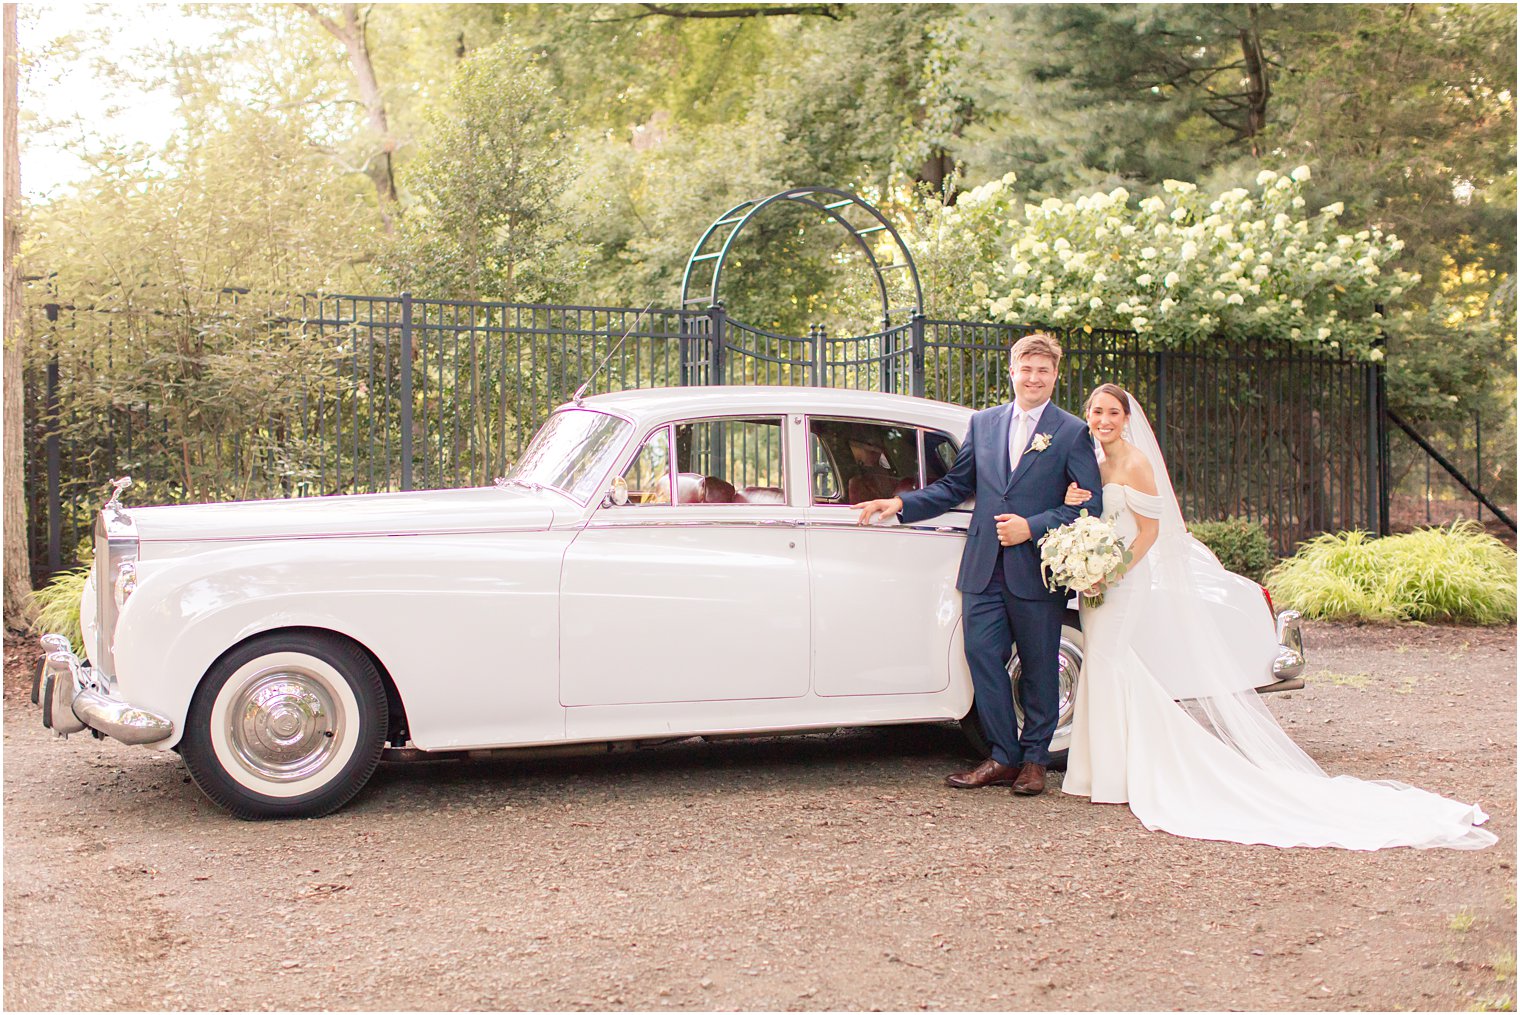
(1070, 673)
(289, 725)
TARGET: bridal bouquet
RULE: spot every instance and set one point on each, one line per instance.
(1082, 556)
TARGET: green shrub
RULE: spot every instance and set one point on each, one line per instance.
(1458, 573)
(58, 606)
(1240, 544)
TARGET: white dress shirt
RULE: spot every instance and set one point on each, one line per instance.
(1024, 425)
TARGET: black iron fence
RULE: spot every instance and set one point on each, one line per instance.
(1446, 469)
(258, 396)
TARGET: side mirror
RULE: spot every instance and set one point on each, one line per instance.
(617, 493)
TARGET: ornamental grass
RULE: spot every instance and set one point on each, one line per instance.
(57, 605)
(1457, 573)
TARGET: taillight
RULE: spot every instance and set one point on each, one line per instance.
(1268, 596)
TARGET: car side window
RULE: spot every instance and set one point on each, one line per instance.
(939, 455)
(648, 475)
(730, 461)
(856, 461)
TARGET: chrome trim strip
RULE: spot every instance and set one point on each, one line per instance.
(714, 523)
(915, 527)
(353, 535)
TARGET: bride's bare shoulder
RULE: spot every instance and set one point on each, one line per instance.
(1137, 473)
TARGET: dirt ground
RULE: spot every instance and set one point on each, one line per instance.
(820, 872)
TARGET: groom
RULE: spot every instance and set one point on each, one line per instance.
(1017, 459)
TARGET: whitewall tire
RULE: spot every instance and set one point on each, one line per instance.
(290, 724)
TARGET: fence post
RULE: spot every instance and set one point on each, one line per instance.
(1385, 468)
(683, 347)
(1478, 459)
(1160, 421)
(916, 353)
(719, 317)
(1374, 467)
(54, 469)
(815, 343)
(406, 391)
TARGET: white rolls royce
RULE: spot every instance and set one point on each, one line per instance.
(659, 564)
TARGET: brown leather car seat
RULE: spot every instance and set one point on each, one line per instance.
(764, 495)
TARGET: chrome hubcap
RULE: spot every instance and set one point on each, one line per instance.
(1066, 693)
(285, 725)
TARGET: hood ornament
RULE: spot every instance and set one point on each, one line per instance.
(114, 504)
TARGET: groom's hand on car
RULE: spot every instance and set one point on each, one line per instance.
(872, 509)
(1012, 529)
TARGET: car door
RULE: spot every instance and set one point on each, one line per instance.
(696, 589)
(885, 607)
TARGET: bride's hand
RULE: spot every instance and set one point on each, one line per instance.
(1076, 496)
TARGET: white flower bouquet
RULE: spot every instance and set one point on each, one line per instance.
(1084, 556)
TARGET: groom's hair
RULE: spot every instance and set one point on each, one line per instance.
(1036, 343)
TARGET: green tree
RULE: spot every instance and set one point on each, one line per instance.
(483, 223)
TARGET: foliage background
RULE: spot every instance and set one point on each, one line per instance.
(574, 153)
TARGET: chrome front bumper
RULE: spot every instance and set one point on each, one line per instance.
(73, 700)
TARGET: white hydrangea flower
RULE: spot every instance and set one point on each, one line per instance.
(1172, 278)
(1300, 175)
(1235, 299)
(1265, 177)
(1143, 279)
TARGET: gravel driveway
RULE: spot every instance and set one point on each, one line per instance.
(820, 872)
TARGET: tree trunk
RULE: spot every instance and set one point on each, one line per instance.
(380, 166)
(18, 565)
(1258, 88)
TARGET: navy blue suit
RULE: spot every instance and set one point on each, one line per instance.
(1005, 601)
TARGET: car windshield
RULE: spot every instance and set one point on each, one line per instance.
(571, 452)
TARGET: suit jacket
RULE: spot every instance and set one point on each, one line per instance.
(1037, 491)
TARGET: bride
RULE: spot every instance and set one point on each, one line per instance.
(1167, 719)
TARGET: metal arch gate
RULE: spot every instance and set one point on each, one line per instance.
(720, 350)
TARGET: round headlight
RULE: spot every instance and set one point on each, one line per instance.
(126, 581)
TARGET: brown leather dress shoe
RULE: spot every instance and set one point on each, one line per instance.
(988, 773)
(1031, 780)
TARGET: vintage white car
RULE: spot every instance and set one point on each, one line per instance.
(659, 564)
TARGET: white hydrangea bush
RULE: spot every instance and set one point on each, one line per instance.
(1181, 265)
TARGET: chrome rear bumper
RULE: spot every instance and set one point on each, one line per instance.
(73, 700)
(1288, 667)
(1290, 661)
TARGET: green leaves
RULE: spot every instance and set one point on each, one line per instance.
(1457, 573)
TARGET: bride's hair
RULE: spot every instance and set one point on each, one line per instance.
(1108, 389)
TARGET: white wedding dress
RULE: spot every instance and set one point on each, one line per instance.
(1214, 764)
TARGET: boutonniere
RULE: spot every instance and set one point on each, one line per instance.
(1040, 443)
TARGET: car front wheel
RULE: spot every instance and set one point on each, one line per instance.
(1070, 673)
(289, 725)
